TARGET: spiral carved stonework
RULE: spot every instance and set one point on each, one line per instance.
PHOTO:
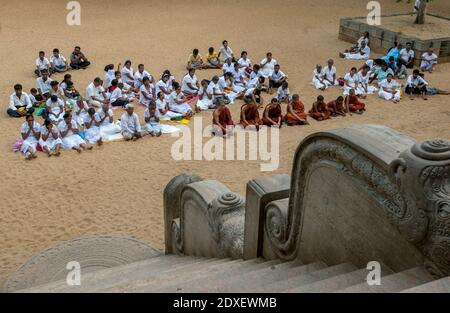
(433, 150)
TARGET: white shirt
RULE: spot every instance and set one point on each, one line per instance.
(125, 72)
(366, 51)
(282, 93)
(277, 75)
(25, 128)
(329, 73)
(228, 68)
(161, 104)
(42, 64)
(406, 55)
(45, 132)
(131, 123)
(165, 85)
(109, 76)
(351, 80)
(59, 61)
(153, 118)
(388, 85)
(226, 53)
(189, 80)
(412, 82)
(100, 114)
(138, 77)
(269, 66)
(363, 79)
(62, 126)
(430, 58)
(116, 95)
(44, 87)
(55, 107)
(222, 83)
(146, 91)
(92, 91)
(317, 75)
(212, 89)
(244, 62)
(23, 101)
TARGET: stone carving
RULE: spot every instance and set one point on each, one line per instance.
(413, 188)
(208, 218)
(423, 174)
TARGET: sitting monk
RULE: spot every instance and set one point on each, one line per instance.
(272, 116)
(319, 110)
(296, 112)
(250, 115)
(352, 103)
(223, 123)
(336, 107)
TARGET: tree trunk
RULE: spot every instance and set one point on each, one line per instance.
(421, 13)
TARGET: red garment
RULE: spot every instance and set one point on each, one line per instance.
(299, 108)
(354, 104)
(274, 114)
(339, 107)
(251, 115)
(319, 110)
(225, 118)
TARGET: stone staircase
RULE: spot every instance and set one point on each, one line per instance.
(180, 274)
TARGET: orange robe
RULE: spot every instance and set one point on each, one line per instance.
(299, 108)
(321, 112)
(339, 107)
(275, 114)
(225, 118)
(251, 116)
(354, 104)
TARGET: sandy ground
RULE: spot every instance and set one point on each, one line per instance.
(117, 189)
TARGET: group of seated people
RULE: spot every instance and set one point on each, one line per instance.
(59, 64)
(380, 75)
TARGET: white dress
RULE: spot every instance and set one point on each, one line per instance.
(162, 105)
(182, 108)
(389, 85)
(352, 81)
(204, 102)
(358, 55)
(92, 134)
(364, 82)
(31, 141)
(153, 126)
(106, 127)
(316, 80)
(71, 140)
(51, 142)
(268, 67)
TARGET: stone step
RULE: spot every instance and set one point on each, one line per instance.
(209, 281)
(157, 264)
(438, 286)
(394, 283)
(249, 281)
(298, 281)
(144, 275)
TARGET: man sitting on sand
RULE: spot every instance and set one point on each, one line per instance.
(43, 85)
(212, 59)
(68, 130)
(296, 114)
(42, 64)
(268, 65)
(352, 103)
(222, 124)
(390, 89)
(329, 74)
(195, 61)
(249, 115)
(96, 94)
(105, 121)
(429, 61)
(78, 60)
(91, 128)
(276, 79)
(319, 110)
(336, 107)
(407, 55)
(152, 120)
(272, 116)
(416, 85)
(318, 78)
(139, 76)
(58, 62)
(362, 53)
(131, 127)
(19, 103)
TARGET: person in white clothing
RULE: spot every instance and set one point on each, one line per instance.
(239, 76)
(225, 51)
(362, 53)
(283, 93)
(364, 79)
(228, 66)
(407, 55)
(91, 128)
(19, 103)
(139, 76)
(105, 121)
(204, 97)
(80, 111)
(152, 120)
(190, 86)
(55, 109)
(43, 84)
(120, 97)
(146, 92)
(416, 85)
(178, 102)
(31, 133)
(68, 130)
(58, 62)
(95, 93)
(127, 73)
(165, 86)
(276, 79)
(429, 61)
(352, 82)
(318, 78)
(50, 141)
(164, 110)
(131, 127)
(329, 74)
(244, 62)
(110, 74)
(42, 64)
(268, 65)
(389, 89)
